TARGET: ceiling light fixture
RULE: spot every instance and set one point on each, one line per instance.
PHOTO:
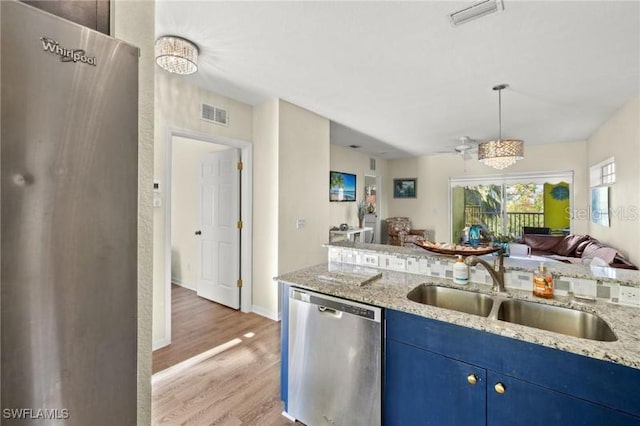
(176, 55)
(500, 153)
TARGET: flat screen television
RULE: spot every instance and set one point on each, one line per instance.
(342, 186)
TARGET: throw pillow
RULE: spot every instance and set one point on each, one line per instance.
(581, 246)
(568, 245)
(605, 253)
(590, 249)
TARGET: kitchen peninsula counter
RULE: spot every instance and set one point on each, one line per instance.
(389, 289)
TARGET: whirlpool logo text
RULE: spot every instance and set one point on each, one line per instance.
(66, 55)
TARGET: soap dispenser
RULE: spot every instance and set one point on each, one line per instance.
(460, 271)
(543, 282)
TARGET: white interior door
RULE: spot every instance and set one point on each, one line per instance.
(220, 236)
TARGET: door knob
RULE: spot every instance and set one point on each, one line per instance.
(472, 379)
(198, 232)
(499, 387)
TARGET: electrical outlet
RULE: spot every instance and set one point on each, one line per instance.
(370, 260)
(397, 263)
(301, 223)
(629, 295)
(349, 257)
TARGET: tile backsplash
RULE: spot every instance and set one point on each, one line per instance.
(519, 280)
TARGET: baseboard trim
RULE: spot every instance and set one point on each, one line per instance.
(265, 312)
(188, 286)
(288, 416)
(160, 344)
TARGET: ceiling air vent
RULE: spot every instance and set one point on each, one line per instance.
(214, 114)
(476, 10)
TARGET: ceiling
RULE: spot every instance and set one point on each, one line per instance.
(398, 79)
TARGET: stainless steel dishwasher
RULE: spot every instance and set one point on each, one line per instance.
(335, 361)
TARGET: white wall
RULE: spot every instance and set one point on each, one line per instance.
(134, 22)
(430, 210)
(619, 137)
(265, 204)
(177, 107)
(351, 161)
(291, 168)
(303, 187)
(185, 208)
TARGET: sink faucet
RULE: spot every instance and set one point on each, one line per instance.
(496, 271)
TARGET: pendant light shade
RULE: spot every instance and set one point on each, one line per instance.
(500, 153)
(176, 55)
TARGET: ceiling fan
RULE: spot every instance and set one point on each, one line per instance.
(465, 148)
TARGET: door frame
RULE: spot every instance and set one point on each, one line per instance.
(246, 212)
(379, 213)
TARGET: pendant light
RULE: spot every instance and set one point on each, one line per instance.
(500, 153)
(176, 55)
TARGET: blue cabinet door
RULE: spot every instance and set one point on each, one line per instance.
(526, 404)
(423, 388)
(601, 382)
(284, 346)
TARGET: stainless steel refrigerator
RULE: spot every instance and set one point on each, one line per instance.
(69, 222)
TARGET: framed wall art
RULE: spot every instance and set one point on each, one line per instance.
(405, 188)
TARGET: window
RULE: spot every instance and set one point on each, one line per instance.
(603, 173)
(608, 173)
(503, 205)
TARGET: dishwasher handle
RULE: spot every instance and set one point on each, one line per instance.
(330, 311)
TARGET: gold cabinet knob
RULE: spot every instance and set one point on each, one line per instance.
(472, 379)
(499, 387)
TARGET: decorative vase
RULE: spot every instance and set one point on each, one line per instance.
(360, 222)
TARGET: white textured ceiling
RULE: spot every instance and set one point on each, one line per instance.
(399, 74)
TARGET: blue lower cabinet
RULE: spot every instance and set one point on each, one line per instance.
(511, 401)
(423, 388)
(446, 375)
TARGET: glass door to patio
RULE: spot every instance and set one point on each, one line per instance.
(504, 207)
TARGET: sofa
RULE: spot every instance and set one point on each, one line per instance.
(576, 249)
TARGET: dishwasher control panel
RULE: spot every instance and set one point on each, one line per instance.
(335, 304)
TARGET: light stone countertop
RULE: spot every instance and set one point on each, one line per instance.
(604, 274)
(390, 290)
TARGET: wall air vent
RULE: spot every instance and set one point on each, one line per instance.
(214, 114)
(476, 10)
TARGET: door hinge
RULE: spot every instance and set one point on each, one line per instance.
(240, 165)
(239, 282)
(239, 224)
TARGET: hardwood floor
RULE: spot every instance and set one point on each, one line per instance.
(221, 369)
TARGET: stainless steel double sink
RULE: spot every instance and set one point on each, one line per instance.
(557, 319)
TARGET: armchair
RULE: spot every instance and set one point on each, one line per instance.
(400, 231)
